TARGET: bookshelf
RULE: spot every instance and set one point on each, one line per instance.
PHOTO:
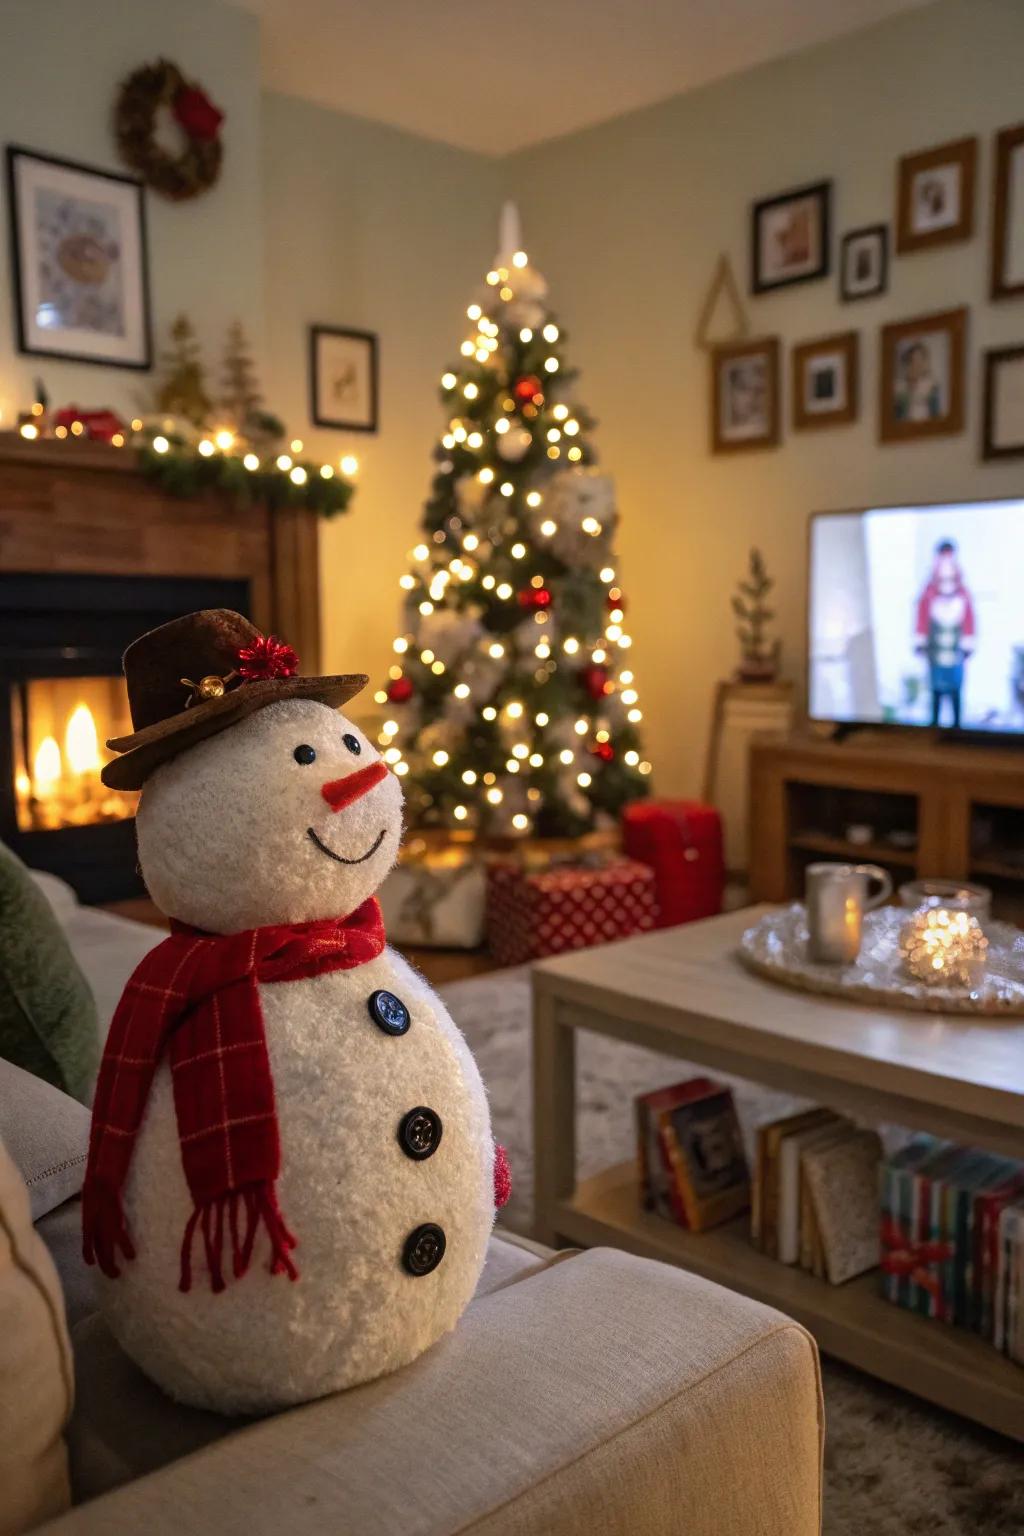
(853, 1322)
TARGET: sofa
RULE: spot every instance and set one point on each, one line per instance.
(581, 1392)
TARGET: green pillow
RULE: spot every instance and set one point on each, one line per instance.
(47, 1011)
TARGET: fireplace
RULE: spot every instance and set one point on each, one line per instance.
(61, 641)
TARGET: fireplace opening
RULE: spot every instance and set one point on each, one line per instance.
(61, 642)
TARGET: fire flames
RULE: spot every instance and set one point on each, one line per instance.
(58, 784)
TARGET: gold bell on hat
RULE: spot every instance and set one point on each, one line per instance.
(211, 687)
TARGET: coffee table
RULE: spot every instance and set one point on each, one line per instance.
(684, 992)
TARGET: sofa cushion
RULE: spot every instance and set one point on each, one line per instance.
(46, 1132)
(35, 1368)
(604, 1393)
(47, 1012)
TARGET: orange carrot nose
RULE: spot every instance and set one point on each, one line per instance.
(341, 792)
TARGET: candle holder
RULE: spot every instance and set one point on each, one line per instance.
(944, 947)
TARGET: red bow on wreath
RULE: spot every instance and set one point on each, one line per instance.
(196, 113)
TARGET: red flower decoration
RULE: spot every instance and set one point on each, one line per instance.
(534, 597)
(197, 114)
(400, 690)
(604, 750)
(265, 658)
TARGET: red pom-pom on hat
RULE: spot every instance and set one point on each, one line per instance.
(266, 658)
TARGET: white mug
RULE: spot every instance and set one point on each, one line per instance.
(837, 898)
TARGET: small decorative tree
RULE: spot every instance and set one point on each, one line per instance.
(759, 657)
(240, 398)
(183, 389)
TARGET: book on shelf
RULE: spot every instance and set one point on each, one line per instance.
(692, 1167)
(951, 1233)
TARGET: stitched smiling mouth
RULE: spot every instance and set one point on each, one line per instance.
(340, 857)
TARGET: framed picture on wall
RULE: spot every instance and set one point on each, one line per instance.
(935, 196)
(921, 387)
(1002, 435)
(78, 242)
(343, 378)
(745, 395)
(864, 263)
(1008, 214)
(825, 381)
(790, 238)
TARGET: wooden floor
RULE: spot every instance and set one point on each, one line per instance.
(437, 965)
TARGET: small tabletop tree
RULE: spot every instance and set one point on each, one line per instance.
(182, 392)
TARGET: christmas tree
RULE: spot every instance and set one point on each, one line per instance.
(511, 706)
(182, 392)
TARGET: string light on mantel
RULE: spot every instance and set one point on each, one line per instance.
(508, 703)
(186, 465)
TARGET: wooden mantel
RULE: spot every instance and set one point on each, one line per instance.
(82, 507)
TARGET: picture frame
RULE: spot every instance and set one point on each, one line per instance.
(1002, 431)
(935, 196)
(921, 377)
(826, 381)
(79, 263)
(343, 378)
(745, 395)
(790, 239)
(864, 263)
(1007, 259)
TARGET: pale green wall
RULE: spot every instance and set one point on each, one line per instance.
(628, 219)
(371, 228)
(60, 65)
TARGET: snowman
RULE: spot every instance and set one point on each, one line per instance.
(291, 1179)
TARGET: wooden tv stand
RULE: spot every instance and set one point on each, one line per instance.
(923, 807)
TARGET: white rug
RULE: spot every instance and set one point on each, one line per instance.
(894, 1465)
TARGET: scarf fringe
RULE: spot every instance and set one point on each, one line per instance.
(104, 1229)
(244, 1209)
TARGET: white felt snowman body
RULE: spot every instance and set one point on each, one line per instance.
(387, 1160)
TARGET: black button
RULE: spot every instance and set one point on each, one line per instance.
(424, 1249)
(388, 1012)
(419, 1134)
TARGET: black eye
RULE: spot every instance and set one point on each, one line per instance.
(352, 742)
(305, 754)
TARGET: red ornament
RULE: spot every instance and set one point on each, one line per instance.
(595, 680)
(265, 658)
(615, 598)
(400, 691)
(604, 750)
(527, 387)
(196, 113)
(534, 597)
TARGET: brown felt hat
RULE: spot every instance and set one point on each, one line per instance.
(196, 676)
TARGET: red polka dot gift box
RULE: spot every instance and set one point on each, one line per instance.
(532, 913)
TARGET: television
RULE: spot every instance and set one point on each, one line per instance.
(915, 616)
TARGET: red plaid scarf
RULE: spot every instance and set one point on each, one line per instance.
(196, 997)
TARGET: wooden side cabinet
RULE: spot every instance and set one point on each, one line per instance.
(917, 807)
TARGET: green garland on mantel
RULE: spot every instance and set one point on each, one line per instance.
(181, 471)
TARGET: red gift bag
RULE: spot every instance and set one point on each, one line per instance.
(531, 913)
(681, 840)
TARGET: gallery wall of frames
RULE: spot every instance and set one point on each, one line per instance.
(926, 362)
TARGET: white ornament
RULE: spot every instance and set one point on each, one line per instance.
(451, 634)
(224, 846)
(581, 504)
(514, 444)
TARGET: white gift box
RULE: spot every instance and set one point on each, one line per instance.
(436, 905)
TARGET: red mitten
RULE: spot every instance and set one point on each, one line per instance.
(502, 1178)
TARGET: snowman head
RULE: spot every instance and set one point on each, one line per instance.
(286, 817)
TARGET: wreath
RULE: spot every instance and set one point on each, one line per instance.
(142, 95)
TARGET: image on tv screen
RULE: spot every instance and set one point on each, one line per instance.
(916, 616)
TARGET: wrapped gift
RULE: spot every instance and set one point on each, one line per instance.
(435, 897)
(535, 912)
(681, 840)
